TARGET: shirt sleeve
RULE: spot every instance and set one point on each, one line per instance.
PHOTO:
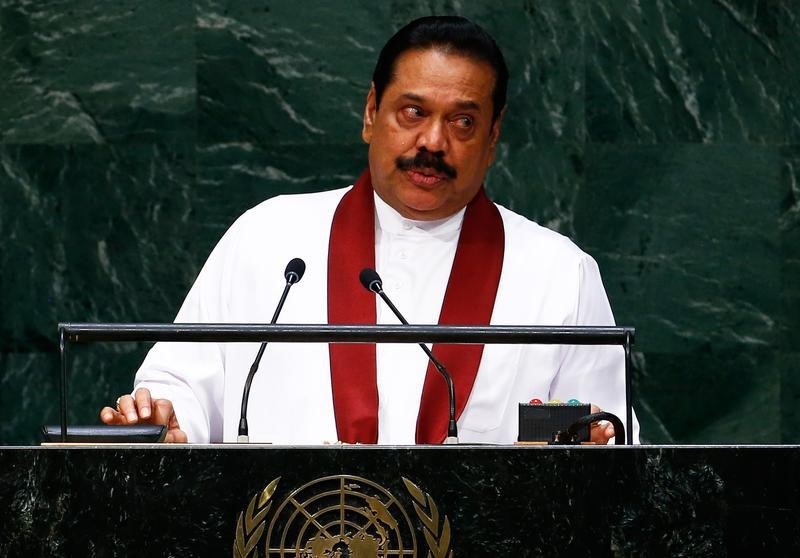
(191, 375)
(593, 373)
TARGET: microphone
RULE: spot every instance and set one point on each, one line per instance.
(372, 282)
(293, 273)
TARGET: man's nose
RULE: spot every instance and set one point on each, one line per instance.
(433, 137)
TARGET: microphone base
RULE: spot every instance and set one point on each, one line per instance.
(450, 440)
(243, 439)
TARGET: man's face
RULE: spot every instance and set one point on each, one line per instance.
(432, 139)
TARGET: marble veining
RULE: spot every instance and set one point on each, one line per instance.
(660, 135)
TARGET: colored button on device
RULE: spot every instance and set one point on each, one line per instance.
(536, 402)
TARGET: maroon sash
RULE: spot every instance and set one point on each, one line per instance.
(469, 300)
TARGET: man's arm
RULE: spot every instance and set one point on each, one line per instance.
(185, 381)
(593, 373)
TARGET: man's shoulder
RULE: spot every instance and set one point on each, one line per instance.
(285, 209)
(526, 234)
(310, 201)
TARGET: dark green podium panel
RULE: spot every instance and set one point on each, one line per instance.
(362, 501)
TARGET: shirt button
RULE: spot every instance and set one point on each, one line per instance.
(403, 255)
(407, 226)
(397, 285)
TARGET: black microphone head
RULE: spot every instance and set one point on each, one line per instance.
(371, 280)
(294, 270)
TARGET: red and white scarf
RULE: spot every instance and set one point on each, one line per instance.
(468, 300)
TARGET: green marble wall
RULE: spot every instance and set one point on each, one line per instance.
(662, 135)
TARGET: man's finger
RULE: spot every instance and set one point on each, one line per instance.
(127, 407)
(163, 413)
(143, 403)
(176, 436)
(601, 432)
(111, 416)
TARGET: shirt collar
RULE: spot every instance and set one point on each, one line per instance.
(389, 220)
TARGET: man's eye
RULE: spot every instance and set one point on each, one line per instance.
(412, 112)
(463, 122)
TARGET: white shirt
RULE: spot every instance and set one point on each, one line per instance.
(546, 280)
(414, 259)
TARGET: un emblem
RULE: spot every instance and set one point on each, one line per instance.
(340, 516)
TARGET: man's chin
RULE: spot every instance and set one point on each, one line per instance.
(422, 208)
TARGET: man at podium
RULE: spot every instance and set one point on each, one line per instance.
(419, 216)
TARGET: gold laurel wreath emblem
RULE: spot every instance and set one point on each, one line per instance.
(250, 524)
(437, 536)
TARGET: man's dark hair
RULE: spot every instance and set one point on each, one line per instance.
(450, 34)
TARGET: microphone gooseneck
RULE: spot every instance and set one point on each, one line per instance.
(293, 273)
(372, 282)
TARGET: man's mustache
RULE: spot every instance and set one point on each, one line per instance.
(426, 159)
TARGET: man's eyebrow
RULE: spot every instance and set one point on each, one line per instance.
(413, 97)
(468, 105)
(463, 105)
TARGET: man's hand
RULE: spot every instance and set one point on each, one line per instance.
(145, 410)
(600, 432)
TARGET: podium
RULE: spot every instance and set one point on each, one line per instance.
(364, 501)
(475, 501)
(309, 333)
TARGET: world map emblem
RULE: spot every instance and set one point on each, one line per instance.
(341, 516)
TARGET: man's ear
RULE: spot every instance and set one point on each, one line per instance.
(369, 114)
(495, 131)
(494, 134)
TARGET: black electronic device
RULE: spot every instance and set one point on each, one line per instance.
(541, 422)
(107, 434)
